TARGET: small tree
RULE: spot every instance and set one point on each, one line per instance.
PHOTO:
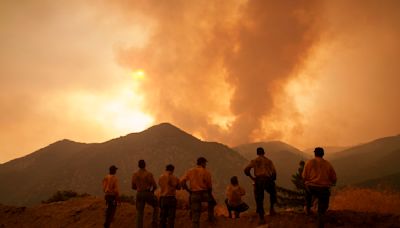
(297, 179)
(293, 198)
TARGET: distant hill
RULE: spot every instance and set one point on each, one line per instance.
(369, 161)
(331, 152)
(286, 158)
(67, 165)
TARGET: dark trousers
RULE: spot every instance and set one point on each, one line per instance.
(236, 209)
(111, 208)
(264, 184)
(322, 194)
(142, 198)
(168, 209)
(196, 198)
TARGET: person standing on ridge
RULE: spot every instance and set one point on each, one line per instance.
(233, 199)
(168, 184)
(200, 188)
(318, 176)
(264, 180)
(111, 191)
(145, 185)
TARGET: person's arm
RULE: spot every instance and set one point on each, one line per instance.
(134, 186)
(208, 181)
(247, 170)
(116, 187)
(183, 181)
(153, 183)
(104, 183)
(273, 171)
(306, 171)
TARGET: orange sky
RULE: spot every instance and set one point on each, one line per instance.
(308, 73)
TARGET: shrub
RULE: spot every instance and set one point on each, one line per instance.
(63, 196)
(127, 199)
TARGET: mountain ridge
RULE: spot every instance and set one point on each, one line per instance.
(371, 160)
(70, 165)
(80, 167)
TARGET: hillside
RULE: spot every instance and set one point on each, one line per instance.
(390, 181)
(368, 161)
(30, 178)
(80, 167)
(285, 158)
(88, 212)
(331, 152)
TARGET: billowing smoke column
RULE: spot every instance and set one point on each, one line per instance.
(274, 38)
(214, 68)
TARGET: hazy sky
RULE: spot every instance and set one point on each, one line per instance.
(306, 72)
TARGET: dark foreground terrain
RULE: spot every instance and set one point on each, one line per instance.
(88, 212)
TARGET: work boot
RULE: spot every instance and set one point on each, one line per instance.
(261, 221)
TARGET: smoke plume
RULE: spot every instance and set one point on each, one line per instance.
(215, 68)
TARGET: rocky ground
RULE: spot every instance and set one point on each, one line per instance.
(89, 212)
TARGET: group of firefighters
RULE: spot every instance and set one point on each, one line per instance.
(318, 176)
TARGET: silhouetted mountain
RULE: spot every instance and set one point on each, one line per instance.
(81, 167)
(368, 161)
(285, 158)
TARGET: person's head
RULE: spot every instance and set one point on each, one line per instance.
(113, 169)
(260, 151)
(234, 180)
(170, 168)
(302, 163)
(202, 161)
(142, 164)
(319, 152)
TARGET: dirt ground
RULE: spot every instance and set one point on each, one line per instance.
(89, 212)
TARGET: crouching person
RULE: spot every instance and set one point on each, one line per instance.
(168, 184)
(233, 199)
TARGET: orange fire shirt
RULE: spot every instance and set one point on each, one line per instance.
(168, 184)
(319, 172)
(142, 180)
(234, 194)
(110, 185)
(262, 167)
(199, 178)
